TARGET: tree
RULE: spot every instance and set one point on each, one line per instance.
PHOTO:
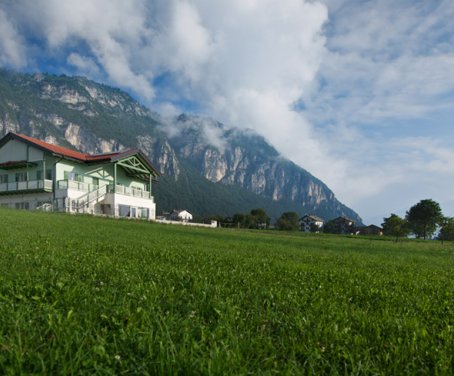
(238, 220)
(288, 221)
(447, 230)
(424, 217)
(330, 227)
(395, 226)
(261, 219)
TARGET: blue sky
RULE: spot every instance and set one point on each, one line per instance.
(360, 93)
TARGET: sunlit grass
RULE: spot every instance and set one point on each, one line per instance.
(92, 295)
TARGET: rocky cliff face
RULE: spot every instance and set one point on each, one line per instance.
(233, 157)
(93, 118)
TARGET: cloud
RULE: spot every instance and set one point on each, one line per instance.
(265, 57)
(334, 84)
(385, 60)
(107, 32)
(11, 45)
(230, 57)
(84, 65)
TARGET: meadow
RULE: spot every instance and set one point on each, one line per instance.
(84, 295)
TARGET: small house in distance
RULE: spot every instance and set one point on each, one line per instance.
(340, 225)
(310, 223)
(38, 175)
(180, 215)
(370, 230)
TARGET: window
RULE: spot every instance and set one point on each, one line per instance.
(39, 175)
(124, 210)
(71, 175)
(95, 181)
(21, 176)
(133, 212)
(22, 205)
(143, 212)
(3, 178)
(49, 174)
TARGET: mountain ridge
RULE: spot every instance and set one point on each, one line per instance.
(217, 163)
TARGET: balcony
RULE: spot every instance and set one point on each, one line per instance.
(134, 192)
(26, 186)
(77, 185)
(119, 189)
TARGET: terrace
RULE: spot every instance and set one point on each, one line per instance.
(117, 189)
(43, 185)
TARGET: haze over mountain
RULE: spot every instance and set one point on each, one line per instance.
(208, 168)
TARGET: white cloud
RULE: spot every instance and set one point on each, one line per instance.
(386, 60)
(111, 30)
(351, 66)
(11, 46)
(85, 65)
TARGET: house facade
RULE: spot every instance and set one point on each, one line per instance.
(310, 223)
(370, 230)
(180, 215)
(37, 175)
(343, 225)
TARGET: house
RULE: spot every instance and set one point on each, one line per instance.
(340, 225)
(38, 175)
(180, 215)
(311, 223)
(370, 230)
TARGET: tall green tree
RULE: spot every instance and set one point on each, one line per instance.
(395, 226)
(447, 230)
(260, 217)
(288, 221)
(238, 220)
(424, 217)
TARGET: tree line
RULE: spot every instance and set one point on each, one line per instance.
(422, 220)
(259, 219)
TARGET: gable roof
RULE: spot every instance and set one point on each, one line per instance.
(60, 151)
(312, 217)
(343, 220)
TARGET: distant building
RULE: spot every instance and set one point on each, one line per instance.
(370, 230)
(310, 223)
(342, 225)
(180, 215)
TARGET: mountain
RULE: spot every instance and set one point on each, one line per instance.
(208, 168)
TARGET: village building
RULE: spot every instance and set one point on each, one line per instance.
(370, 230)
(343, 225)
(180, 215)
(310, 223)
(39, 175)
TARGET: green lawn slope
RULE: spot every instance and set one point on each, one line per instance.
(83, 295)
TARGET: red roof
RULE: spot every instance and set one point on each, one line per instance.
(66, 152)
(76, 155)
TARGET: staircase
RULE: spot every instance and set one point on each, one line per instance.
(83, 203)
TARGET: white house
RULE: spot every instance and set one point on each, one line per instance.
(311, 223)
(180, 215)
(38, 175)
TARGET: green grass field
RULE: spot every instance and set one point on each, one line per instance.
(83, 295)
